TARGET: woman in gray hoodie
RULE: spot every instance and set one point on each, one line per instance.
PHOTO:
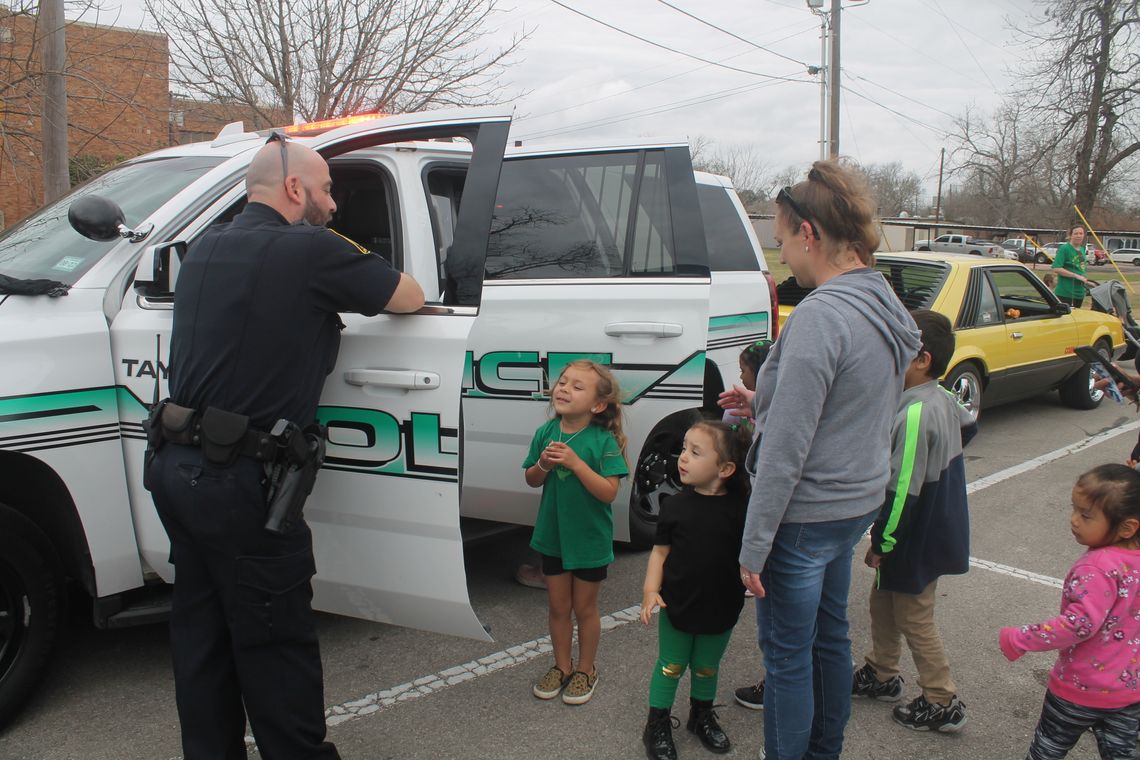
(823, 406)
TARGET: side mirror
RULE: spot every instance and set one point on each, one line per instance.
(97, 218)
(157, 271)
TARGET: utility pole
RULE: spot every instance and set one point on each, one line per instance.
(938, 203)
(57, 180)
(833, 81)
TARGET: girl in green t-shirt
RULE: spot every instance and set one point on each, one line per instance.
(576, 458)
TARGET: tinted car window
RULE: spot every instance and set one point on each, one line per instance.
(45, 246)
(569, 216)
(915, 283)
(730, 249)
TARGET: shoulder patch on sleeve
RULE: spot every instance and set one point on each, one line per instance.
(350, 241)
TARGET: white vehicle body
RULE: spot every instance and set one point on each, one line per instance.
(429, 414)
(1126, 256)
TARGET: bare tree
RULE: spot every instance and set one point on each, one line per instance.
(750, 173)
(894, 188)
(1086, 81)
(316, 59)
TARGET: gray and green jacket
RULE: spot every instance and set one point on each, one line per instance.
(923, 529)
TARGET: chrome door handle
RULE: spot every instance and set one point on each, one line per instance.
(651, 329)
(408, 379)
(1017, 335)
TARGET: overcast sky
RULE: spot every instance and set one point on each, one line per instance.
(908, 66)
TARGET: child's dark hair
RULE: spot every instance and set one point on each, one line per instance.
(1114, 489)
(731, 443)
(937, 339)
(755, 354)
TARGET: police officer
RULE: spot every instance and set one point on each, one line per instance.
(255, 333)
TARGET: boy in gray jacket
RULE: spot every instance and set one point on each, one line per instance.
(921, 533)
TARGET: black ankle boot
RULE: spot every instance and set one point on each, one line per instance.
(658, 735)
(702, 722)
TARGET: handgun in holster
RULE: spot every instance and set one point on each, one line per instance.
(293, 474)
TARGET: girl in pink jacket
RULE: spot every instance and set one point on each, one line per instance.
(1095, 684)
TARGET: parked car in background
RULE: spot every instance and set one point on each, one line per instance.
(1127, 256)
(1014, 338)
(1095, 256)
(1026, 251)
(959, 244)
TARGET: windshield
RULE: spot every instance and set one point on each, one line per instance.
(44, 246)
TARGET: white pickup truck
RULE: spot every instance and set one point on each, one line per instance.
(959, 244)
(529, 257)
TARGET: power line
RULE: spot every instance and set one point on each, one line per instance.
(954, 26)
(899, 94)
(732, 34)
(899, 114)
(649, 111)
(674, 50)
(920, 51)
(651, 84)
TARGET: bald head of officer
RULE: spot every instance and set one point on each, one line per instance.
(294, 181)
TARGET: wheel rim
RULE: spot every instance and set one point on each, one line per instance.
(1095, 394)
(967, 389)
(15, 615)
(656, 480)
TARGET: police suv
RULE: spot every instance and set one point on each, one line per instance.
(529, 258)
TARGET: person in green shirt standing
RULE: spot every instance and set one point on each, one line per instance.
(1069, 264)
(576, 459)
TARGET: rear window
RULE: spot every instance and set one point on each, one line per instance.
(730, 249)
(560, 217)
(916, 283)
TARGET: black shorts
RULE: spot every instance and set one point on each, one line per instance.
(553, 566)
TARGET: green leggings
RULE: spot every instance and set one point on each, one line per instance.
(677, 650)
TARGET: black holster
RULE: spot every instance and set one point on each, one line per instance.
(293, 475)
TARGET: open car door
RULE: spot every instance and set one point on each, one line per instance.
(385, 509)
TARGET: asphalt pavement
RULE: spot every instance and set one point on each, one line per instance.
(402, 694)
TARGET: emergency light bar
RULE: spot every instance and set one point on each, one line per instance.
(316, 127)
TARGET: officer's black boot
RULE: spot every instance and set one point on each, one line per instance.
(658, 735)
(702, 722)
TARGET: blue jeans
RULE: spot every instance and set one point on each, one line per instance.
(802, 624)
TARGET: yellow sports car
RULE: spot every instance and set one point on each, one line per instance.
(1014, 338)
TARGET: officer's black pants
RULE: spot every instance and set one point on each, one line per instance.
(241, 626)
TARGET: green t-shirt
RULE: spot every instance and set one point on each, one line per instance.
(1072, 260)
(571, 523)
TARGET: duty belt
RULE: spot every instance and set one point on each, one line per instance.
(223, 436)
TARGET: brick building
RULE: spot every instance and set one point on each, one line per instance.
(118, 100)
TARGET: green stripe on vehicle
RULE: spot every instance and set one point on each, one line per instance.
(731, 321)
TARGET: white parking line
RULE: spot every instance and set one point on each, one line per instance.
(527, 651)
(434, 682)
(1015, 572)
(1020, 469)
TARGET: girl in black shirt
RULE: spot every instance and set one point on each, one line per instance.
(694, 577)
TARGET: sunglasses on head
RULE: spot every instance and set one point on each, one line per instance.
(280, 138)
(785, 196)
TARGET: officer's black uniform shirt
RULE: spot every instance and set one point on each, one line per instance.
(701, 581)
(256, 329)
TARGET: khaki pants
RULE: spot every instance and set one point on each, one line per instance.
(894, 615)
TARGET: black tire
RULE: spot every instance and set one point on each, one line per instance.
(1077, 391)
(655, 476)
(1042, 259)
(1136, 262)
(31, 609)
(965, 382)
(924, 248)
(975, 253)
